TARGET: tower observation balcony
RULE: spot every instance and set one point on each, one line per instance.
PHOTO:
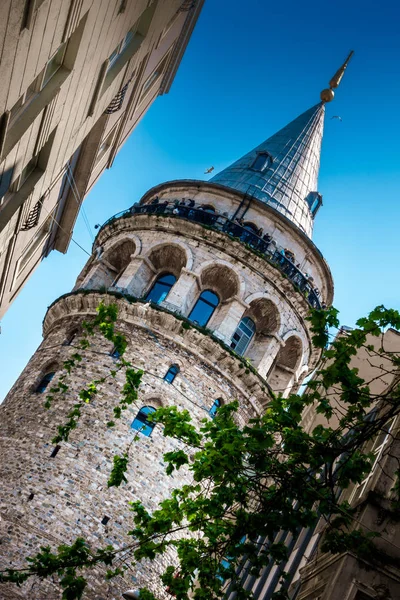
(263, 245)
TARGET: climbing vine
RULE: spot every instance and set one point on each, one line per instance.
(248, 483)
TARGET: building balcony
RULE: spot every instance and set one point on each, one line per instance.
(264, 246)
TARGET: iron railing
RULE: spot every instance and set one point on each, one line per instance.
(262, 245)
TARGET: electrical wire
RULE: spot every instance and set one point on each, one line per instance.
(66, 232)
(78, 199)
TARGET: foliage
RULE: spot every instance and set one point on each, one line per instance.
(248, 483)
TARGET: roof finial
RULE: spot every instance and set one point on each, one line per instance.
(328, 94)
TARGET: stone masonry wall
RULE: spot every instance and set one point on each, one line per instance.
(70, 495)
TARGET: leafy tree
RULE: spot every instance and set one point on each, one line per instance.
(248, 483)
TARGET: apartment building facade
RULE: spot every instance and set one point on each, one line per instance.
(77, 76)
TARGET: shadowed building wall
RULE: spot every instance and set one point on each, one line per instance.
(77, 76)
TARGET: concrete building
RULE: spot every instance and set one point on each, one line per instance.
(76, 77)
(213, 282)
(314, 575)
(346, 576)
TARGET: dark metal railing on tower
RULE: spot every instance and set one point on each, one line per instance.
(264, 246)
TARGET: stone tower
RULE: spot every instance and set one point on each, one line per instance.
(213, 282)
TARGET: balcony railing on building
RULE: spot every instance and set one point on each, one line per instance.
(264, 245)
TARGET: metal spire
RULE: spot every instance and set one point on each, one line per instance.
(328, 94)
(283, 171)
(287, 181)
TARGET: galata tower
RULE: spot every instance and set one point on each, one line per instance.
(213, 282)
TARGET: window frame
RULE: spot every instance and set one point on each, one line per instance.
(144, 421)
(47, 377)
(267, 161)
(173, 371)
(214, 408)
(204, 302)
(24, 101)
(157, 281)
(105, 144)
(377, 450)
(243, 335)
(27, 171)
(62, 48)
(37, 240)
(153, 77)
(122, 46)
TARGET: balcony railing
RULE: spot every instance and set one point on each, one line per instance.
(262, 245)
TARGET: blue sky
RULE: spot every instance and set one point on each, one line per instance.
(249, 69)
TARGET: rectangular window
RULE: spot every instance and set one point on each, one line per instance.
(150, 81)
(105, 145)
(28, 170)
(377, 448)
(36, 242)
(122, 47)
(168, 26)
(23, 102)
(37, 85)
(31, 7)
(54, 64)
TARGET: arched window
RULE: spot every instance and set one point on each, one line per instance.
(141, 423)
(171, 373)
(243, 335)
(261, 162)
(161, 288)
(248, 233)
(209, 208)
(204, 308)
(251, 227)
(71, 337)
(213, 410)
(45, 382)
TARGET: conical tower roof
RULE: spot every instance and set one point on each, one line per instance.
(283, 170)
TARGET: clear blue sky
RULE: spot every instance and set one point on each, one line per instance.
(249, 69)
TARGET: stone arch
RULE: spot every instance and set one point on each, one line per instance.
(171, 257)
(49, 366)
(220, 277)
(284, 369)
(265, 315)
(71, 333)
(119, 254)
(168, 258)
(109, 263)
(150, 399)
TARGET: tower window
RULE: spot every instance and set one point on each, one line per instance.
(171, 373)
(115, 354)
(45, 382)
(314, 200)
(105, 520)
(204, 308)
(262, 161)
(141, 422)
(71, 337)
(161, 288)
(213, 410)
(243, 335)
